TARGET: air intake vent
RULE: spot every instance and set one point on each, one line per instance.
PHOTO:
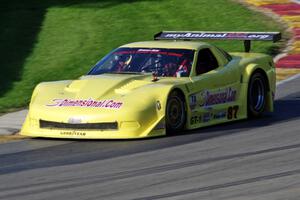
(86, 126)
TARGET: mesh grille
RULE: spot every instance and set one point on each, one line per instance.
(86, 126)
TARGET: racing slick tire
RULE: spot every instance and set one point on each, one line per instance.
(257, 95)
(175, 112)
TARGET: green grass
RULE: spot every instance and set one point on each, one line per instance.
(62, 39)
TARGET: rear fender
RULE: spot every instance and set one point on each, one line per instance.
(269, 74)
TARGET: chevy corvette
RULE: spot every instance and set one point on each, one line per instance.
(153, 88)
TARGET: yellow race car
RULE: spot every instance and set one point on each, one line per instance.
(147, 89)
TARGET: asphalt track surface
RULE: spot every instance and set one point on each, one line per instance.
(250, 159)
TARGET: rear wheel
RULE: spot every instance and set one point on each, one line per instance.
(257, 93)
(175, 112)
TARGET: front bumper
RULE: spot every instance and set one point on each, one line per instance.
(125, 130)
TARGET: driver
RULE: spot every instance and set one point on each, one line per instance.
(121, 62)
(183, 69)
(170, 69)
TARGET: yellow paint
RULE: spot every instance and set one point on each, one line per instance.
(296, 43)
(295, 24)
(295, 50)
(296, 47)
(139, 116)
(282, 73)
(266, 2)
(291, 18)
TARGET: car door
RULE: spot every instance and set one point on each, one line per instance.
(214, 88)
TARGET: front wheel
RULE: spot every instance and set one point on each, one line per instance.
(175, 112)
(257, 93)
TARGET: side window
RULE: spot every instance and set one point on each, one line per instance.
(206, 61)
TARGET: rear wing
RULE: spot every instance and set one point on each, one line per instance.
(247, 37)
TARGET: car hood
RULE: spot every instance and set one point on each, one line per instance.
(109, 93)
(97, 87)
(111, 85)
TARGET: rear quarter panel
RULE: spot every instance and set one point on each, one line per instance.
(249, 63)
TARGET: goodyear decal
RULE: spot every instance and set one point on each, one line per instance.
(72, 133)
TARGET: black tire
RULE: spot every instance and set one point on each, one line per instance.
(175, 113)
(257, 95)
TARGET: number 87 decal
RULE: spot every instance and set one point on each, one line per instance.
(232, 112)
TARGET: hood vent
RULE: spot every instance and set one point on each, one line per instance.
(131, 86)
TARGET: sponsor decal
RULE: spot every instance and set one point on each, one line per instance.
(160, 125)
(110, 104)
(236, 35)
(195, 119)
(207, 117)
(193, 101)
(232, 112)
(195, 35)
(247, 36)
(73, 133)
(208, 98)
(217, 35)
(220, 115)
(148, 50)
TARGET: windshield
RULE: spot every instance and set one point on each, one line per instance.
(162, 62)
